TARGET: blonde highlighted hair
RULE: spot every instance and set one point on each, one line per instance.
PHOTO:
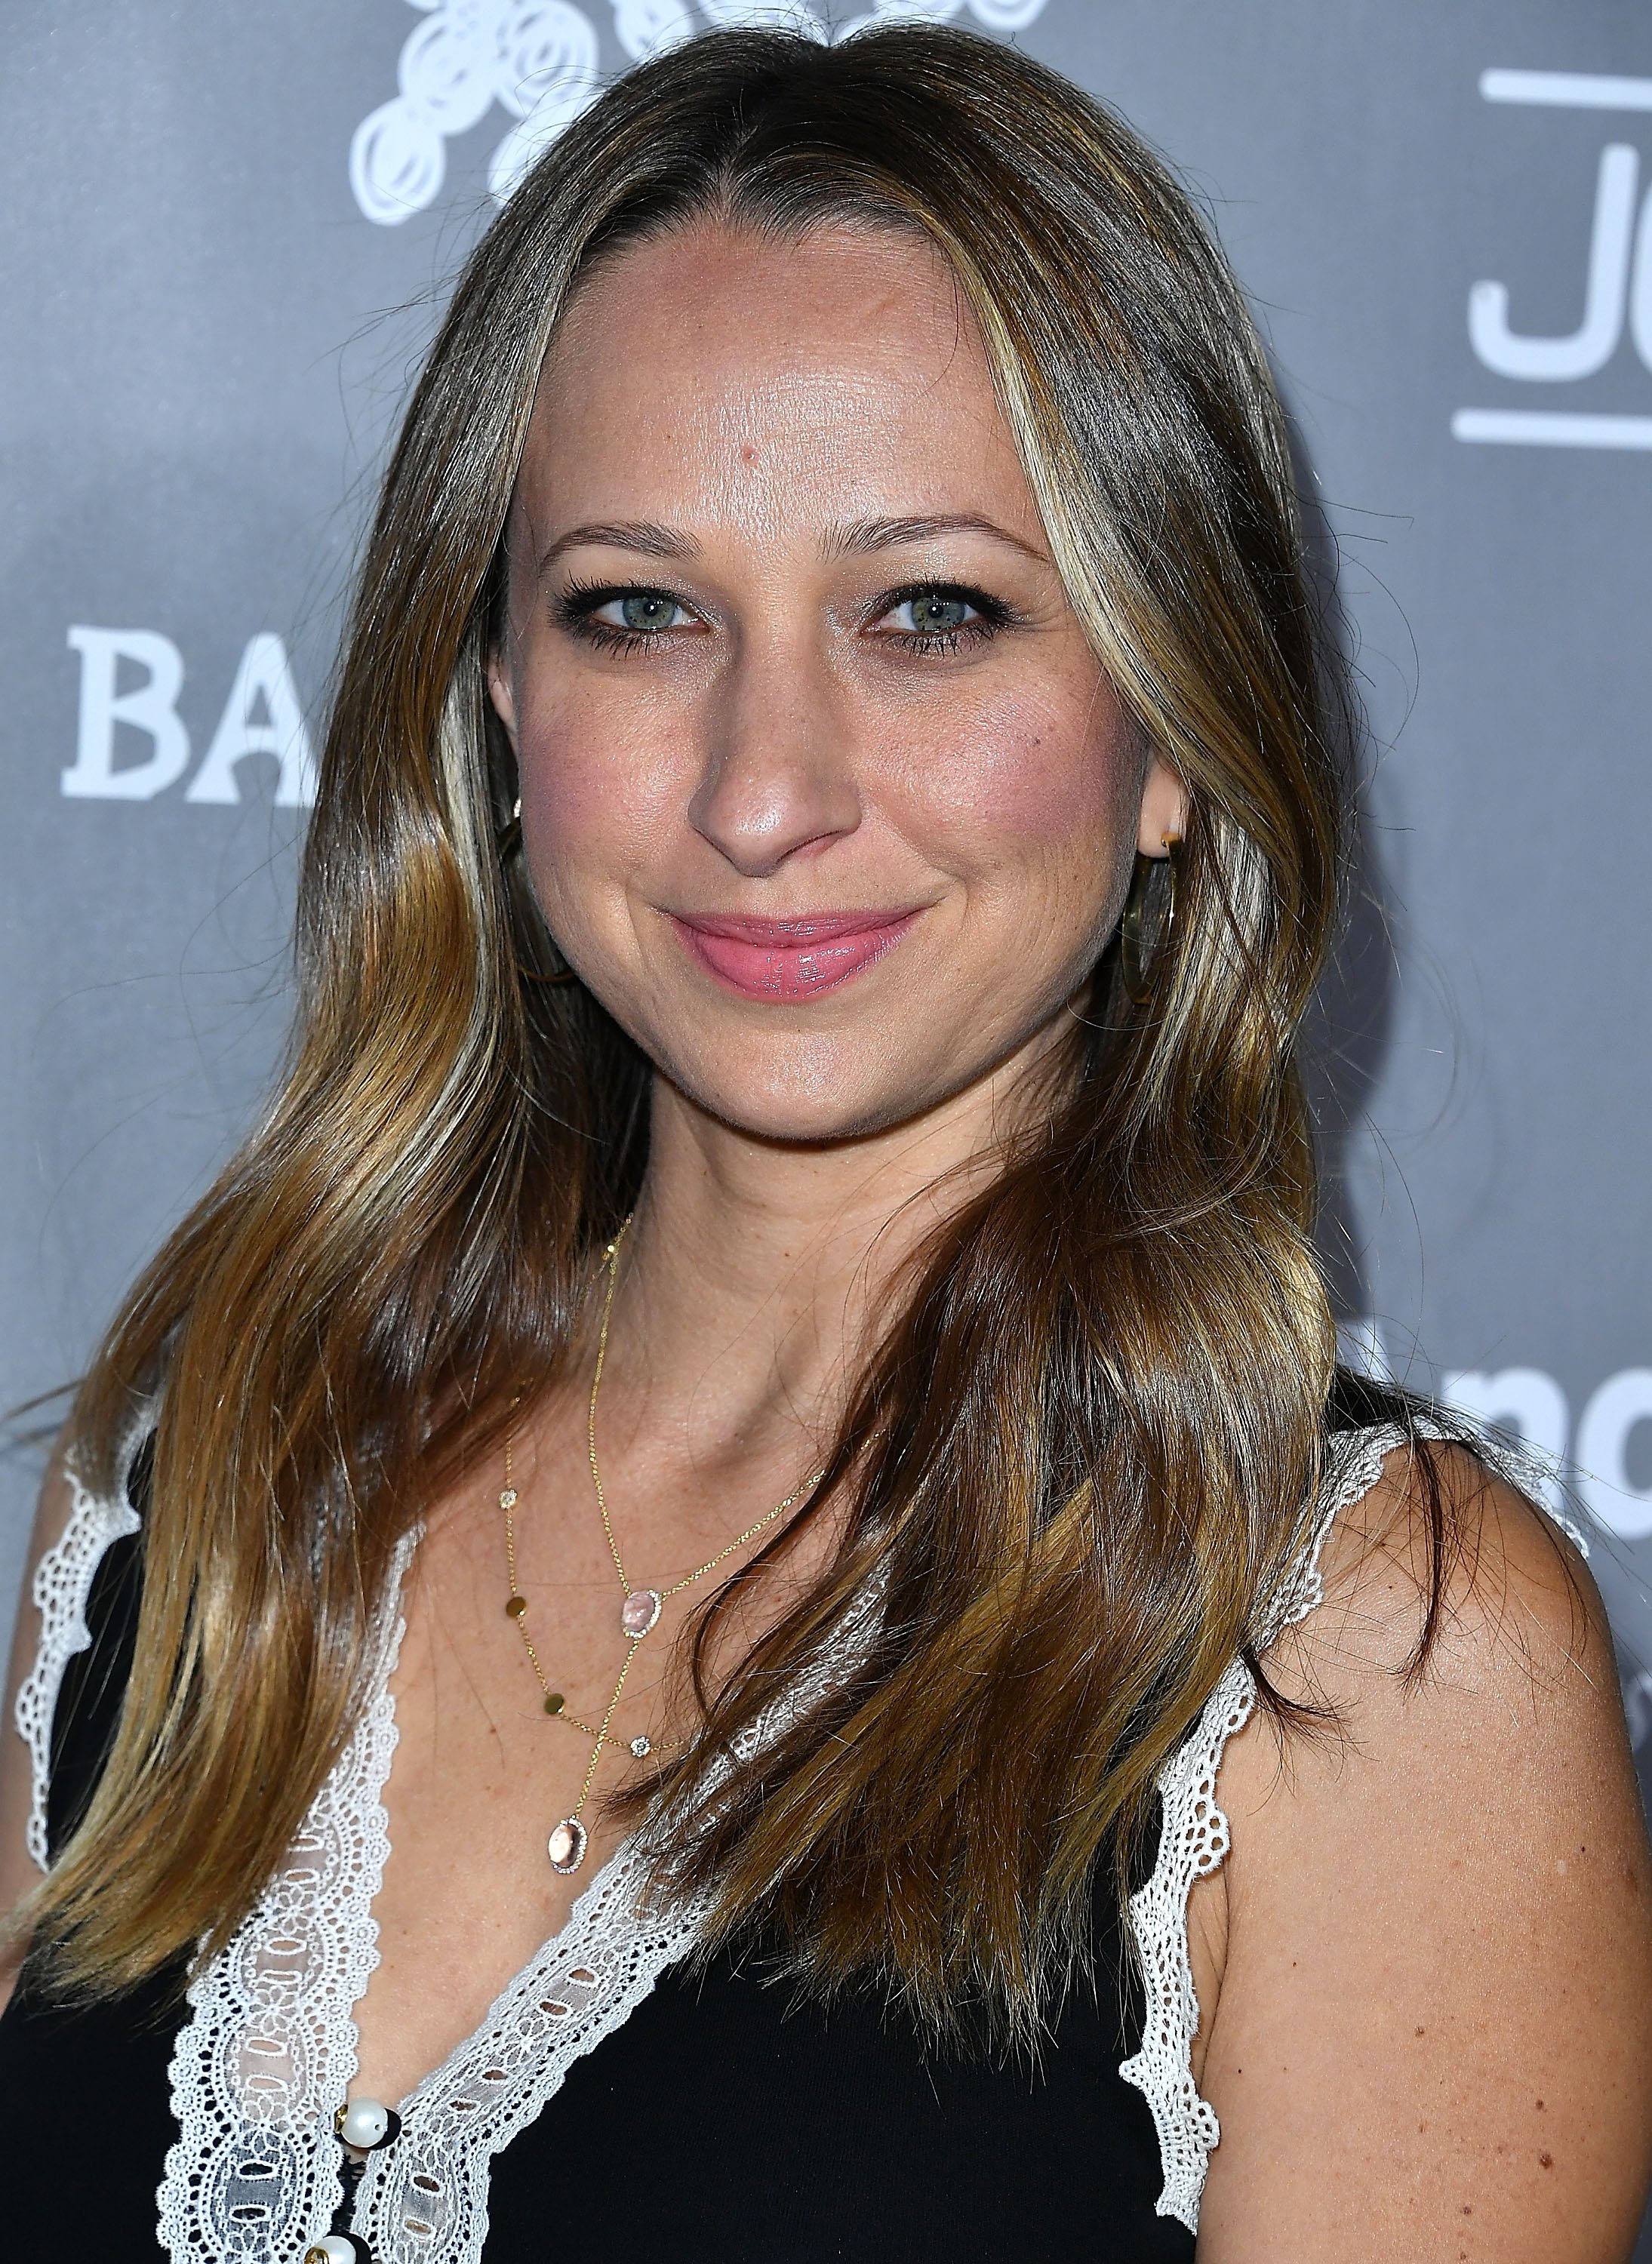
(1079, 1460)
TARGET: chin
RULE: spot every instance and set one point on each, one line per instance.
(802, 1104)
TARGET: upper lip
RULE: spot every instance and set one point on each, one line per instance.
(798, 929)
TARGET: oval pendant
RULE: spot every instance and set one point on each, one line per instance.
(567, 1844)
(638, 1612)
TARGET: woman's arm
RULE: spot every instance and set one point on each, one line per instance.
(18, 1870)
(1432, 2036)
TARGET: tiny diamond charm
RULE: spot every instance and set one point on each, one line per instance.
(507, 1498)
(567, 1844)
(638, 1612)
(641, 1747)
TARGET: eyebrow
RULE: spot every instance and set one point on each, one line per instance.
(644, 535)
(859, 540)
(866, 535)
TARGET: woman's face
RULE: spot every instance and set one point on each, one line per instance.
(823, 793)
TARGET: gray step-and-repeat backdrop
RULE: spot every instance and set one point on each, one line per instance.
(227, 231)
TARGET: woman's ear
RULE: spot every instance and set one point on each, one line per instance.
(499, 691)
(1163, 810)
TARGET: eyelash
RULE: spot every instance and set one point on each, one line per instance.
(991, 615)
(577, 603)
(577, 607)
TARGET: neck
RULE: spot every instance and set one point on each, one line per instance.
(757, 1273)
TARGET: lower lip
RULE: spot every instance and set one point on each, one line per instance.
(784, 973)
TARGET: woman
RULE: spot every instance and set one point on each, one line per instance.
(768, 1353)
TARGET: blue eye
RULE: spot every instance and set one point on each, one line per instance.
(928, 618)
(932, 612)
(640, 611)
(621, 620)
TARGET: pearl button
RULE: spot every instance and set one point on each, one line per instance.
(332, 2248)
(363, 2124)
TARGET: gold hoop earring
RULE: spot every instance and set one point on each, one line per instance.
(506, 843)
(1138, 978)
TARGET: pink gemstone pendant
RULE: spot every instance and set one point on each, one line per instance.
(638, 1612)
(567, 1844)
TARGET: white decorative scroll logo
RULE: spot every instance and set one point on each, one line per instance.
(1617, 294)
(539, 60)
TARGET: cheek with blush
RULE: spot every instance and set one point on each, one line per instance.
(1028, 776)
(591, 804)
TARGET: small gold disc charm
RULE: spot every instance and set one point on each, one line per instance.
(555, 1702)
(516, 1606)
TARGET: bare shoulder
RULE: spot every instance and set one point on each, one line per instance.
(1433, 2030)
(1446, 1580)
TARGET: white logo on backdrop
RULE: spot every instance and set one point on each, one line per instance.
(261, 716)
(1617, 285)
(538, 59)
(1531, 1403)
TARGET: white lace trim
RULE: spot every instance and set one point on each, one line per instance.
(426, 2197)
(259, 2068)
(425, 2200)
(258, 2073)
(271, 2046)
(61, 1587)
(1193, 1841)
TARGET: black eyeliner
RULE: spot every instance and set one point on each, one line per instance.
(574, 607)
(991, 609)
(993, 615)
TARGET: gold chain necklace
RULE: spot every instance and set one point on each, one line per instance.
(639, 1608)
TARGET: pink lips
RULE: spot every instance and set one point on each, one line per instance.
(785, 960)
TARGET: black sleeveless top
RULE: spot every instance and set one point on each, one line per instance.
(727, 2120)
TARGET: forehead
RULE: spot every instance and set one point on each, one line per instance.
(715, 371)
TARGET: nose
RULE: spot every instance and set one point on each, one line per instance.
(778, 775)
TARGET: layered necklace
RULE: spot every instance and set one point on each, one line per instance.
(639, 1608)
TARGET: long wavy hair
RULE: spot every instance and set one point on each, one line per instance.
(1078, 1463)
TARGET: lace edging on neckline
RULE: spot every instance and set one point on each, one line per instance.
(260, 2068)
(60, 1591)
(269, 2046)
(1194, 1838)
(426, 2198)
